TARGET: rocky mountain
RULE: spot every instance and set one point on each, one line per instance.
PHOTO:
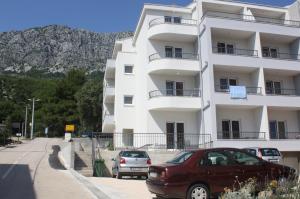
(55, 49)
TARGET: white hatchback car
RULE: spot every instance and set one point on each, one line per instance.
(268, 154)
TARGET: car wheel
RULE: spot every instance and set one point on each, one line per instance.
(198, 191)
(119, 176)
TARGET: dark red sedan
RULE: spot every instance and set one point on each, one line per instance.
(205, 173)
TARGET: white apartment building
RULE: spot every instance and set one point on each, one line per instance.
(214, 73)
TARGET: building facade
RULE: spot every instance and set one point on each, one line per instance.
(214, 73)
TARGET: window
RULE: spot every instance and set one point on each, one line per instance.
(269, 152)
(168, 19)
(181, 157)
(225, 83)
(273, 87)
(128, 100)
(134, 154)
(244, 158)
(177, 19)
(216, 159)
(128, 69)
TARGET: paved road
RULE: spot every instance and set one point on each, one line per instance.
(32, 171)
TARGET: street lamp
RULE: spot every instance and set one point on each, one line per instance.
(32, 116)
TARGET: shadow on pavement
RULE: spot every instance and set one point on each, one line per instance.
(53, 159)
(16, 182)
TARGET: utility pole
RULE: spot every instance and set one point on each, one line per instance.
(25, 126)
(32, 116)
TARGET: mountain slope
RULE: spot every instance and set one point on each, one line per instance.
(55, 49)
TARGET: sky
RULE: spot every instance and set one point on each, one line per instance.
(93, 15)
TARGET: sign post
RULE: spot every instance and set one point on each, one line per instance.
(69, 129)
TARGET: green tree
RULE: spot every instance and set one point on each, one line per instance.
(89, 104)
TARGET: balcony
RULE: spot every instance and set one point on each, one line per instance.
(110, 68)
(241, 135)
(108, 123)
(109, 93)
(183, 63)
(175, 100)
(173, 29)
(253, 19)
(285, 136)
(250, 90)
(235, 51)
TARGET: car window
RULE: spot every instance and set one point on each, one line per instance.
(244, 158)
(215, 158)
(181, 157)
(269, 152)
(134, 154)
(252, 151)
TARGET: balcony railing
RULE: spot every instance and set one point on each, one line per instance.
(175, 93)
(159, 141)
(172, 20)
(156, 56)
(241, 135)
(285, 135)
(249, 89)
(282, 91)
(284, 56)
(235, 51)
(251, 18)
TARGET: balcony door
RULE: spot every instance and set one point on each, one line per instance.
(174, 88)
(225, 83)
(225, 48)
(230, 129)
(277, 129)
(269, 52)
(171, 52)
(273, 87)
(175, 135)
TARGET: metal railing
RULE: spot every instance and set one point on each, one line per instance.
(282, 91)
(285, 135)
(153, 141)
(284, 56)
(251, 18)
(179, 21)
(156, 56)
(249, 89)
(235, 51)
(175, 93)
(241, 135)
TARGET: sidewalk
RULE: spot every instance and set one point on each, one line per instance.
(122, 188)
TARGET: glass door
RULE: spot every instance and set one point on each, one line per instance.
(180, 135)
(281, 129)
(235, 128)
(273, 129)
(169, 51)
(179, 88)
(169, 88)
(225, 129)
(170, 126)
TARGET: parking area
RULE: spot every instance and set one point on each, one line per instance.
(123, 188)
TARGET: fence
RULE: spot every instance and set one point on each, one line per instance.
(235, 51)
(172, 20)
(249, 89)
(153, 141)
(175, 92)
(171, 55)
(241, 135)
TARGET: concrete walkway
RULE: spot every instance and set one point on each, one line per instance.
(32, 171)
(126, 188)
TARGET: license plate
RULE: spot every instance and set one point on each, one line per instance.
(136, 169)
(153, 175)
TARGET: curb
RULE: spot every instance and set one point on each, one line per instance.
(90, 186)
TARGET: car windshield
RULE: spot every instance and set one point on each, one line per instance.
(270, 152)
(181, 157)
(134, 154)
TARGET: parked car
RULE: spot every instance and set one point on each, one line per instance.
(131, 163)
(205, 173)
(268, 154)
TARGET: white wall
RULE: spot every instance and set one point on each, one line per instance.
(155, 46)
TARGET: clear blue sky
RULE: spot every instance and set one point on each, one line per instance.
(94, 15)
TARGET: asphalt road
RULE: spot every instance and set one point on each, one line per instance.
(32, 171)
